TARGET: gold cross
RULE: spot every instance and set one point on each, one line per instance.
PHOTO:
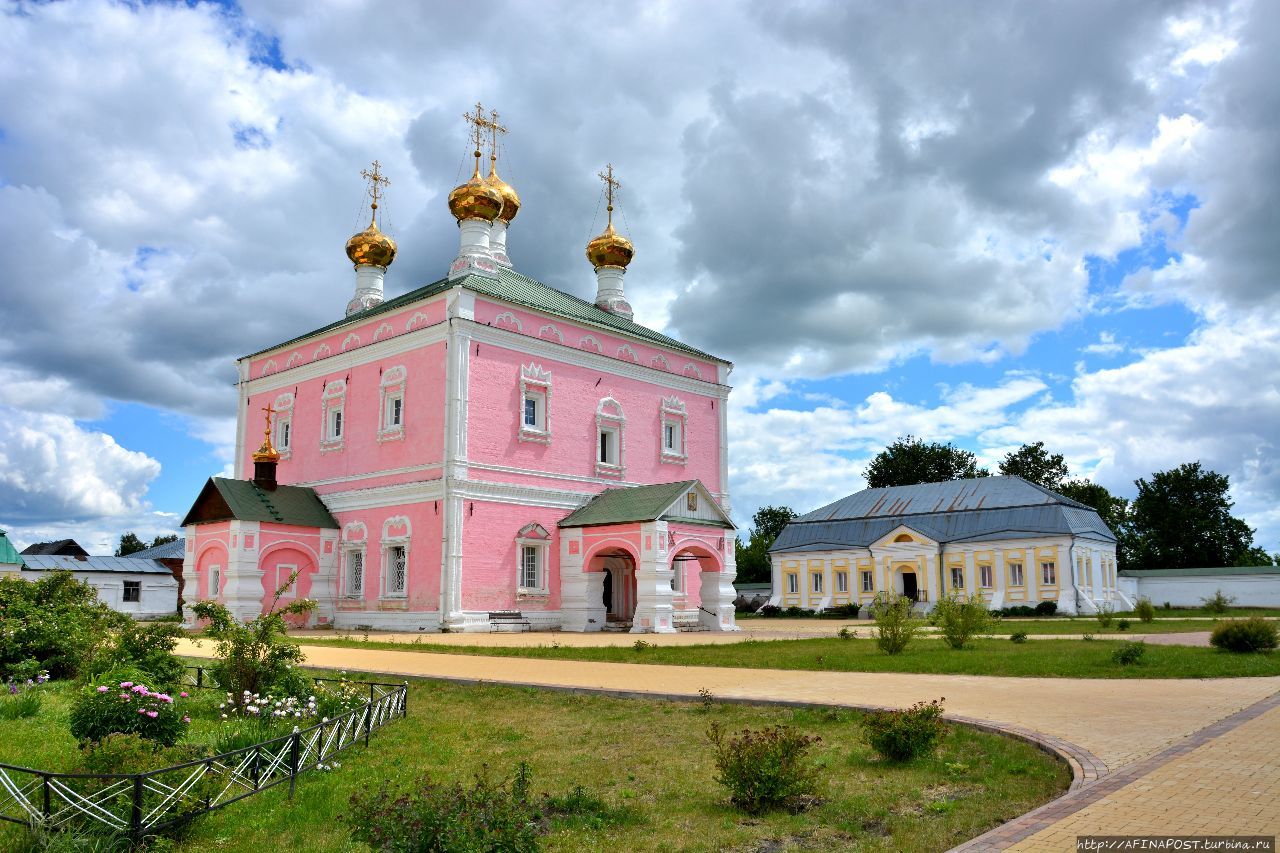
(268, 412)
(494, 130)
(611, 186)
(376, 180)
(478, 122)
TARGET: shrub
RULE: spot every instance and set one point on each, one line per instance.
(958, 621)
(794, 612)
(841, 611)
(906, 734)
(1129, 653)
(1122, 625)
(54, 624)
(1145, 610)
(766, 769)
(1047, 608)
(147, 646)
(20, 703)
(1017, 610)
(1105, 615)
(127, 706)
(769, 611)
(845, 634)
(433, 816)
(1018, 637)
(254, 658)
(1254, 634)
(1218, 604)
(894, 626)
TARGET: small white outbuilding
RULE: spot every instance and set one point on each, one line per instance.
(140, 587)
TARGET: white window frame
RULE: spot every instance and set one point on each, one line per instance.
(389, 550)
(349, 554)
(611, 421)
(1017, 575)
(215, 580)
(535, 386)
(391, 391)
(124, 592)
(535, 537)
(793, 583)
(333, 412)
(817, 583)
(986, 576)
(1048, 573)
(283, 439)
(867, 580)
(842, 580)
(673, 416)
(957, 577)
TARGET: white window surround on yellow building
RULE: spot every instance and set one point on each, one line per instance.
(991, 537)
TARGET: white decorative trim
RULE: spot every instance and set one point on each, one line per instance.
(626, 353)
(380, 497)
(269, 366)
(672, 413)
(385, 348)
(322, 351)
(534, 536)
(589, 342)
(347, 341)
(283, 406)
(507, 320)
(387, 543)
(660, 362)
(332, 402)
(417, 315)
(391, 388)
(550, 330)
(691, 370)
(295, 357)
(355, 531)
(610, 418)
(535, 384)
(383, 330)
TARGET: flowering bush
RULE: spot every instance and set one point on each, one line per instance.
(24, 698)
(148, 646)
(127, 707)
(252, 718)
(54, 624)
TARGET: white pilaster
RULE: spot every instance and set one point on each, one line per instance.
(457, 368)
(369, 279)
(474, 254)
(242, 590)
(653, 584)
(324, 585)
(498, 243)
(581, 592)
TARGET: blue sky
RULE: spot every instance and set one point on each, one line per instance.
(883, 235)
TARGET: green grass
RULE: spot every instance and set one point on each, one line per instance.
(1089, 625)
(648, 756)
(1036, 659)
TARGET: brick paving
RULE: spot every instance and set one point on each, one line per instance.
(1174, 755)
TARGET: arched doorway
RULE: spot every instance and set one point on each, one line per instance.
(908, 582)
(695, 586)
(619, 588)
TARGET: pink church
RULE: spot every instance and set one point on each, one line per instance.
(482, 452)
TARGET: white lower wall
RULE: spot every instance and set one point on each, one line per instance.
(159, 596)
(1247, 590)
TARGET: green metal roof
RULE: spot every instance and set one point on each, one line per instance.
(8, 554)
(631, 504)
(518, 289)
(244, 501)
(1220, 571)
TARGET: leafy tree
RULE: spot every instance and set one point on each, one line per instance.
(55, 623)
(1257, 556)
(752, 557)
(1032, 462)
(1182, 519)
(910, 460)
(163, 540)
(130, 544)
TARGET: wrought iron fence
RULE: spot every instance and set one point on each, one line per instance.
(142, 804)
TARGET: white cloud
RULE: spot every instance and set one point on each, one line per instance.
(1105, 345)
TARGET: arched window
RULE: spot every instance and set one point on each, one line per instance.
(610, 445)
(391, 394)
(533, 545)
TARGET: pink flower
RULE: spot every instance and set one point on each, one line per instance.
(103, 689)
(153, 714)
(183, 694)
(126, 684)
(186, 719)
(142, 710)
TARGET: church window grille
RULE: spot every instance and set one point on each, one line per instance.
(397, 570)
(214, 581)
(533, 544)
(354, 586)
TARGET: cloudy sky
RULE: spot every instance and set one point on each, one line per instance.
(988, 222)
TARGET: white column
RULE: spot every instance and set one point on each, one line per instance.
(581, 592)
(242, 590)
(498, 243)
(718, 593)
(369, 280)
(653, 584)
(324, 585)
(474, 254)
(609, 295)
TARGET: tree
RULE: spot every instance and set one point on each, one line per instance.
(752, 557)
(1114, 510)
(1182, 519)
(1257, 556)
(163, 540)
(130, 544)
(910, 460)
(1032, 462)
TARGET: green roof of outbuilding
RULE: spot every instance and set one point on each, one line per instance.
(627, 504)
(1220, 571)
(222, 500)
(8, 554)
(519, 289)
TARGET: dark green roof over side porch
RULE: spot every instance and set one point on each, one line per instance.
(222, 499)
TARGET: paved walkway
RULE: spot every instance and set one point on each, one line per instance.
(1145, 739)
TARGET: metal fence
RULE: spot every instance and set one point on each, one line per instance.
(142, 804)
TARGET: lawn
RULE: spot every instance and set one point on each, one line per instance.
(1032, 659)
(1089, 625)
(650, 758)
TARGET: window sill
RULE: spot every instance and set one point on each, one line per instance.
(396, 434)
(331, 446)
(604, 469)
(674, 458)
(393, 603)
(532, 593)
(536, 436)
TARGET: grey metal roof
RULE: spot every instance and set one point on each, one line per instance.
(1218, 572)
(126, 565)
(955, 511)
(167, 551)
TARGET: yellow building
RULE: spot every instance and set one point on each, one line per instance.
(1002, 538)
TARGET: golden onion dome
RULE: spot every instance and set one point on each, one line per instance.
(371, 247)
(510, 200)
(610, 249)
(475, 199)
